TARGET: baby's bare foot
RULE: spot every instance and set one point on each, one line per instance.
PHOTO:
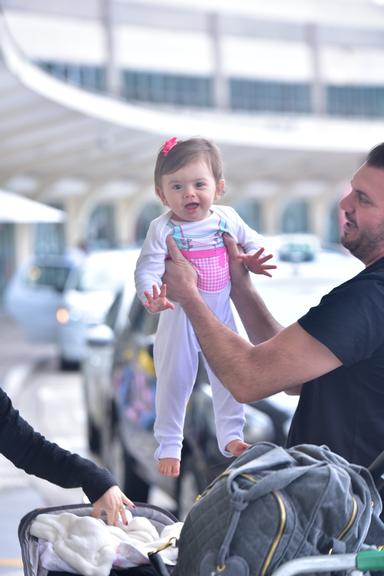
(237, 447)
(169, 467)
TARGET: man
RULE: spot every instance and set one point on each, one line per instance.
(334, 355)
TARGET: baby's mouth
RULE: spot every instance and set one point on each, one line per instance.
(191, 206)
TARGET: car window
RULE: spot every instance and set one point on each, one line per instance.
(48, 276)
(139, 320)
(113, 312)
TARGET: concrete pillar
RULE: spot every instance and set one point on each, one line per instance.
(75, 222)
(318, 93)
(24, 243)
(125, 220)
(220, 81)
(318, 214)
(271, 215)
(113, 76)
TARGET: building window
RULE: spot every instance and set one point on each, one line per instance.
(92, 78)
(167, 89)
(253, 95)
(49, 238)
(101, 227)
(295, 217)
(149, 212)
(257, 95)
(361, 101)
(250, 212)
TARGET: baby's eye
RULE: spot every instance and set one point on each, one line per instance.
(177, 187)
(200, 184)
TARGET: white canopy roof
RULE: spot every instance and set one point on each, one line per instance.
(17, 209)
(51, 131)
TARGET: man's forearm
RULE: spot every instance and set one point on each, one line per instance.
(258, 322)
(226, 352)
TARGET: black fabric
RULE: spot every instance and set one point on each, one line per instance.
(31, 452)
(344, 409)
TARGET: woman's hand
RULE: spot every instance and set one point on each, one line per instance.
(113, 503)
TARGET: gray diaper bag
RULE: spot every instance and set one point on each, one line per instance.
(274, 504)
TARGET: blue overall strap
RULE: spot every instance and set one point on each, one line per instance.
(178, 235)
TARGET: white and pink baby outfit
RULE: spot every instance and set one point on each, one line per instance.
(176, 348)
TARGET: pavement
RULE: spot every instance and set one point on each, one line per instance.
(18, 359)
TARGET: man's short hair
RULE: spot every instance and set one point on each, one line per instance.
(375, 157)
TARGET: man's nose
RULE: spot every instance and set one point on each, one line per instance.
(346, 203)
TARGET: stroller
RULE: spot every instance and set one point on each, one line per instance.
(363, 561)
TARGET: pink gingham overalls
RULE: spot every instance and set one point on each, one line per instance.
(208, 256)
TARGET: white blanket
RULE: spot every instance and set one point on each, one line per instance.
(89, 546)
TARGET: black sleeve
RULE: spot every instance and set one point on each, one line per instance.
(31, 452)
(349, 320)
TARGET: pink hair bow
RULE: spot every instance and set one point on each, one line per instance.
(168, 145)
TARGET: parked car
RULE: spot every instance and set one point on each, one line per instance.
(56, 298)
(298, 247)
(88, 296)
(120, 383)
(36, 291)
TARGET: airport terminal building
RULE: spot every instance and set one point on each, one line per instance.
(292, 92)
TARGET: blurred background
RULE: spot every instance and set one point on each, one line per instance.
(293, 94)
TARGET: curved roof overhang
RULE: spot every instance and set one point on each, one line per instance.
(51, 131)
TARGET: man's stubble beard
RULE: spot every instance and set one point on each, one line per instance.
(364, 245)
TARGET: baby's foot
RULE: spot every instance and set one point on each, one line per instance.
(169, 467)
(237, 447)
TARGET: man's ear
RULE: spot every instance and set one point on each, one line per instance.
(160, 194)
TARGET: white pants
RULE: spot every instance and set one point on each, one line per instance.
(176, 351)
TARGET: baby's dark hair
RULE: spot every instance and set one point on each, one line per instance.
(375, 157)
(186, 151)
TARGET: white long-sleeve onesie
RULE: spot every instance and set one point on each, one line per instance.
(176, 347)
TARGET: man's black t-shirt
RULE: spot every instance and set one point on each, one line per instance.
(344, 409)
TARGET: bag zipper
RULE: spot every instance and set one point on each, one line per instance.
(279, 533)
(349, 524)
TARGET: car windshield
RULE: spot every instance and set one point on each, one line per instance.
(51, 276)
(102, 273)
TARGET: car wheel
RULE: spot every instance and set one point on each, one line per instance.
(190, 483)
(94, 437)
(68, 365)
(123, 467)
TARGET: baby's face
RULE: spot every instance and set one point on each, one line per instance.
(190, 191)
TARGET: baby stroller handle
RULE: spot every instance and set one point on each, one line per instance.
(368, 560)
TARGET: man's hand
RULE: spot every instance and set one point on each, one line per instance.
(113, 503)
(257, 262)
(180, 276)
(158, 301)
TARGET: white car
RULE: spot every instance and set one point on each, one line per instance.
(88, 297)
(56, 299)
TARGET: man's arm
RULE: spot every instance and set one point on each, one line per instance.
(257, 320)
(287, 359)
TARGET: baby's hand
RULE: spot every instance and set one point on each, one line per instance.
(158, 301)
(256, 262)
